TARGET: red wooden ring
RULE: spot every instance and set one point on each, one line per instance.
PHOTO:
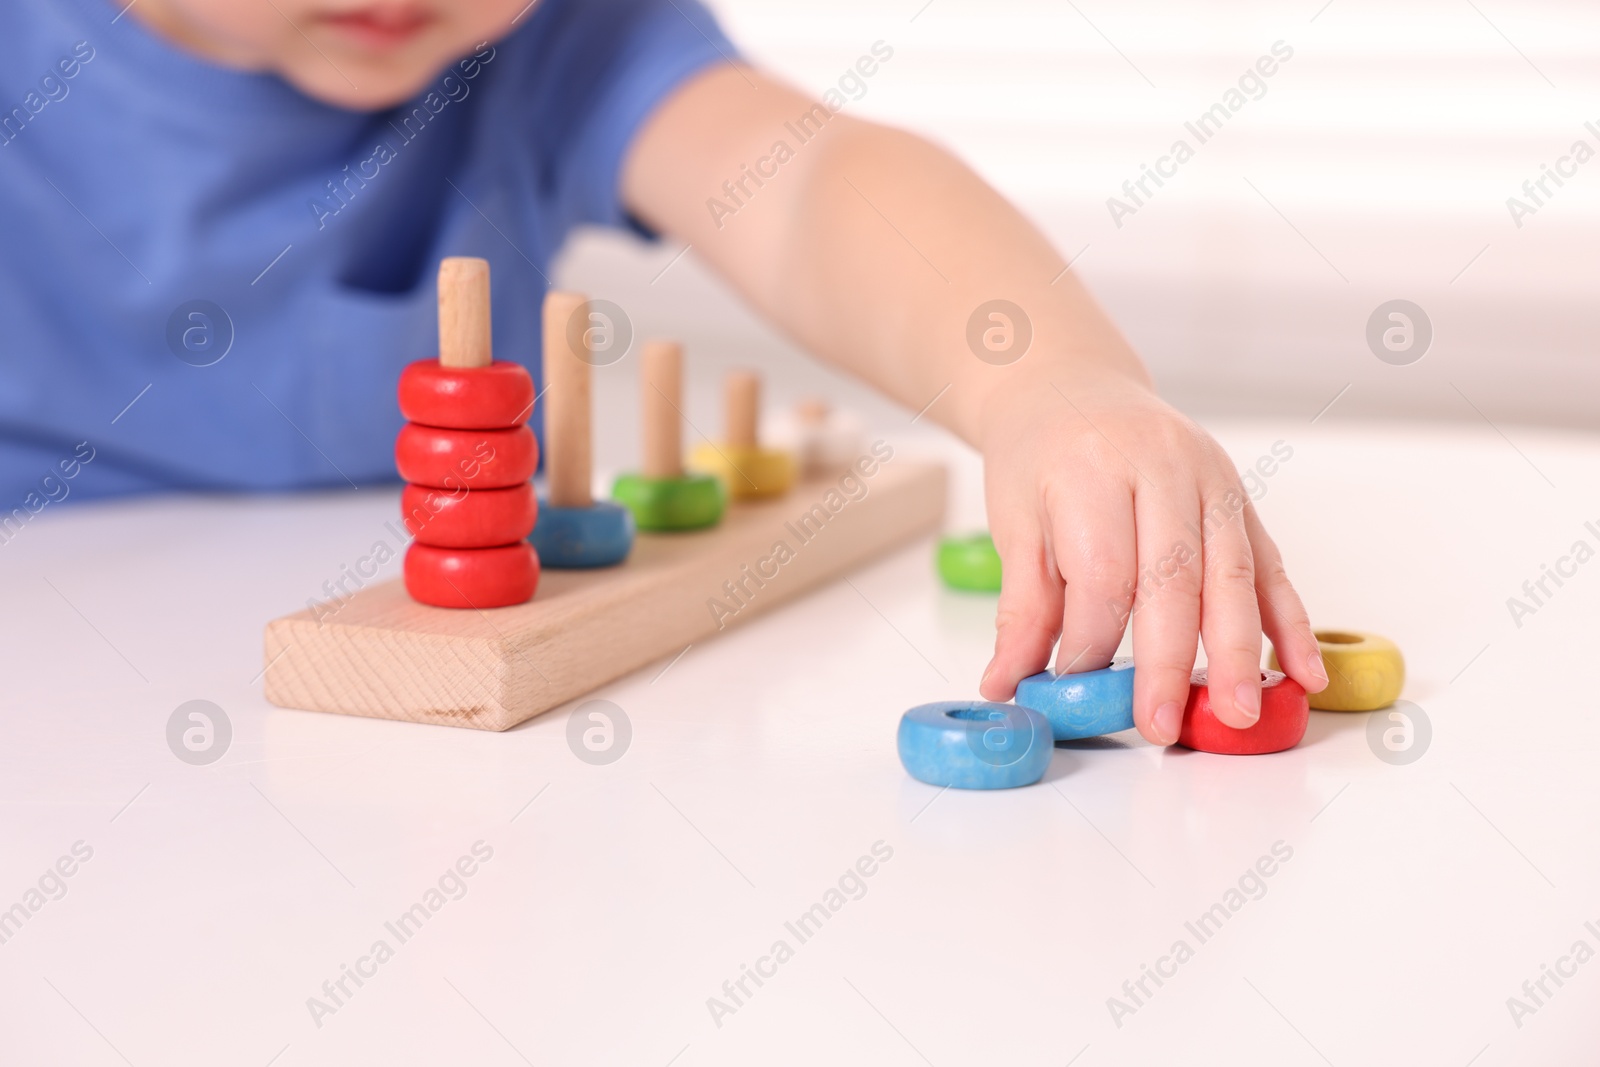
(476, 459)
(469, 518)
(472, 577)
(466, 398)
(1284, 715)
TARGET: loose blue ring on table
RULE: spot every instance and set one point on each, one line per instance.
(1082, 705)
(975, 744)
(569, 538)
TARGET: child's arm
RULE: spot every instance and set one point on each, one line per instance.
(872, 248)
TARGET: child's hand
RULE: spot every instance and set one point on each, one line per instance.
(1104, 502)
(873, 248)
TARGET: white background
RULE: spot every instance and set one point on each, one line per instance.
(1390, 141)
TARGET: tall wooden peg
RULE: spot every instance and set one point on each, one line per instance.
(569, 461)
(574, 531)
(661, 395)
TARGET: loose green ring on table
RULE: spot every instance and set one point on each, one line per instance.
(969, 563)
(691, 502)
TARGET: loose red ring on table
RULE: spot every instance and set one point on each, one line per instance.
(1285, 714)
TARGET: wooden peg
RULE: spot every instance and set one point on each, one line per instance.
(567, 441)
(742, 398)
(464, 339)
(662, 390)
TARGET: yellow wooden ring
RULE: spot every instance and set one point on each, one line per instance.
(1365, 671)
(746, 472)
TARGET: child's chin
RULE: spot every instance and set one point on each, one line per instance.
(362, 86)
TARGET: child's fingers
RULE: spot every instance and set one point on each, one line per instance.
(1283, 616)
(1166, 615)
(1029, 613)
(1230, 623)
(1093, 538)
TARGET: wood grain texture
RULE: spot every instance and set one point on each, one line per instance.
(381, 654)
(568, 403)
(464, 339)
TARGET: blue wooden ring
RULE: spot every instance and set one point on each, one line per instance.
(1082, 705)
(572, 538)
(975, 744)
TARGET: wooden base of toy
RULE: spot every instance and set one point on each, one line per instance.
(381, 654)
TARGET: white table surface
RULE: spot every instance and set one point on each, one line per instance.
(218, 899)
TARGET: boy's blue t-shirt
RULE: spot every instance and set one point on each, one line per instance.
(159, 213)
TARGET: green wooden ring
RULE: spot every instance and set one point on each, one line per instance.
(970, 563)
(691, 502)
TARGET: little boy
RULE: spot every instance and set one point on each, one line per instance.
(274, 181)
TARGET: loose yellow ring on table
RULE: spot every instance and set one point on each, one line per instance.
(1365, 671)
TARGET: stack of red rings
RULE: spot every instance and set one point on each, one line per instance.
(469, 458)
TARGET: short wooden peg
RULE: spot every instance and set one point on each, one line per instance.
(464, 338)
(742, 397)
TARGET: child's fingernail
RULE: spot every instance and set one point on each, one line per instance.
(1318, 671)
(987, 673)
(1247, 698)
(1168, 722)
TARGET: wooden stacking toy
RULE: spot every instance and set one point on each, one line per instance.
(574, 529)
(468, 458)
(969, 563)
(746, 469)
(663, 496)
(1089, 704)
(975, 744)
(1284, 717)
(1365, 672)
